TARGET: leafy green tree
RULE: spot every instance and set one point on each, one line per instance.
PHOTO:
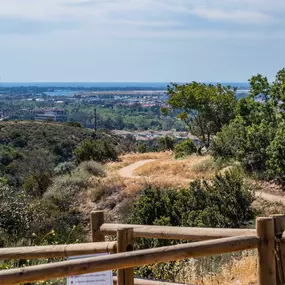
(254, 137)
(204, 108)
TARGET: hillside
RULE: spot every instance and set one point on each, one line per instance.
(66, 204)
(56, 138)
(42, 170)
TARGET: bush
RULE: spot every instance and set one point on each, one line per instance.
(205, 166)
(97, 193)
(93, 168)
(230, 140)
(16, 218)
(74, 124)
(64, 168)
(95, 150)
(142, 148)
(276, 155)
(246, 144)
(64, 188)
(166, 143)
(224, 202)
(184, 148)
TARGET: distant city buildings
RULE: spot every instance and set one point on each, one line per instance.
(57, 116)
(151, 134)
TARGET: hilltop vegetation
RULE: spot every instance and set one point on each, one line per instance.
(255, 136)
(42, 170)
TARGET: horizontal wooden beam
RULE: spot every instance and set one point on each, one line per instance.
(55, 251)
(139, 281)
(183, 233)
(127, 260)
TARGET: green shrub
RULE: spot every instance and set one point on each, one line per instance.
(74, 124)
(95, 150)
(276, 155)
(224, 202)
(246, 144)
(16, 218)
(142, 148)
(184, 148)
(166, 143)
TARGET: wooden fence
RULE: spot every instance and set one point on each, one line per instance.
(268, 238)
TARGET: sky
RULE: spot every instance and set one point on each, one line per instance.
(140, 40)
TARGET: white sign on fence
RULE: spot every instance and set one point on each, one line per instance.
(99, 278)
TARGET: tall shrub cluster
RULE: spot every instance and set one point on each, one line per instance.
(255, 137)
(225, 202)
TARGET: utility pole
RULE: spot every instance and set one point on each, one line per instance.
(95, 120)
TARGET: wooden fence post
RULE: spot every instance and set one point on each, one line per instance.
(279, 224)
(96, 221)
(266, 251)
(125, 240)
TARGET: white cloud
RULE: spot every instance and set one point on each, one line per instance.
(252, 11)
(129, 17)
(238, 16)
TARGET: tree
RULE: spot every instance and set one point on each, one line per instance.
(204, 108)
(255, 137)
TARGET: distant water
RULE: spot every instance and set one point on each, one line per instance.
(156, 85)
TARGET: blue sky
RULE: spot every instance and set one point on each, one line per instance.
(140, 40)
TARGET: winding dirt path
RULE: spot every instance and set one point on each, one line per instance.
(127, 172)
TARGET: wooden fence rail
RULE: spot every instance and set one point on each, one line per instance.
(128, 259)
(268, 238)
(178, 233)
(55, 251)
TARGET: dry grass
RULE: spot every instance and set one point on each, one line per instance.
(238, 272)
(130, 158)
(266, 208)
(134, 157)
(193, 167)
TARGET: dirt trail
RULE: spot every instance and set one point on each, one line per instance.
(127, 172)
(270, 197)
